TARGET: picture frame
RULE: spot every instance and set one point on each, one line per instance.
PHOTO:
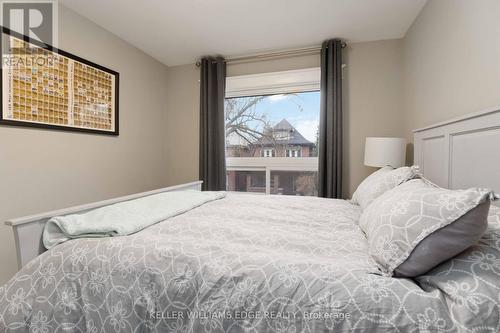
(45, 87)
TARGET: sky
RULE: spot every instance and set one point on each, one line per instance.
(301, 110)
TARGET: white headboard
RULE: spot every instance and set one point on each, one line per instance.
(462, 152)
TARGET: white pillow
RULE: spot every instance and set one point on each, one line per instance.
(380, 182)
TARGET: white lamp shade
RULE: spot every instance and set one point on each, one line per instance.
(380, 152)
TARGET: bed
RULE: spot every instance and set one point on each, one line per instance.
(249, 263)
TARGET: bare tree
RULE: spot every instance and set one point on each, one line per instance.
(243, 120)
(315, 150)
(306, 184)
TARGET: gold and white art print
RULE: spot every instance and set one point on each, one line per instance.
(49, 88)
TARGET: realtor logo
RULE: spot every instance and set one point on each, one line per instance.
(35, 19)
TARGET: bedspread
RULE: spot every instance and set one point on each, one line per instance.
(250, 263)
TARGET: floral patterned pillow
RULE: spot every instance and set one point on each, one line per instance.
(417, 225)
(380, 182)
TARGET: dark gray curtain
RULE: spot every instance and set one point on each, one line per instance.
(330, 125)
(212, 133)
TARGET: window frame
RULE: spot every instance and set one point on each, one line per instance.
(273, 83)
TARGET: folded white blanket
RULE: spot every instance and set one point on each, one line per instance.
(124, 218)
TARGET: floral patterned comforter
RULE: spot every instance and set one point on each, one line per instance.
(250, 263)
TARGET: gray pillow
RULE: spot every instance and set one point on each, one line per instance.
(446, 242)
(416, 225)
(380, 182)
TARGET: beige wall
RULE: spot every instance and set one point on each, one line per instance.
(42, 170)
(373, 105)
(451, 61)
(373, 102)
(182, 126)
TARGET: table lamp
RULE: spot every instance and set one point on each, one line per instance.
(380, 152)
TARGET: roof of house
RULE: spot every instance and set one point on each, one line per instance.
(294, 137)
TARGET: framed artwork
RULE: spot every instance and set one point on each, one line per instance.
(49, 88)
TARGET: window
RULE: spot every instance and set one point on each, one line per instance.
(268, 153)
(282, 135)
(272, 132)
(246, 181)
(294, 183)
(293, 152)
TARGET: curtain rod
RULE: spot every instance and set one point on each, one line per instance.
(273, 55)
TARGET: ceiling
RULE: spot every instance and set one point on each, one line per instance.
(178, 32)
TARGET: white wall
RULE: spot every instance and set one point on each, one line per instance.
(451, 61)
(42, 170)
